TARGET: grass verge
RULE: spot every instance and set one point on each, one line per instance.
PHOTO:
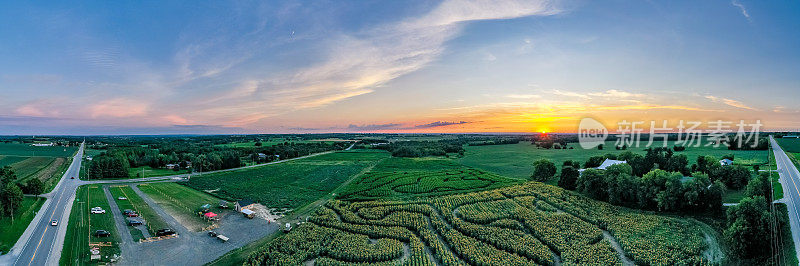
(152, 221)
(181, 202)
(11, 231)
(82, 224)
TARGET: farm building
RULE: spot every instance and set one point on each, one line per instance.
(725, 162)
(43, 144)
(248, 213)
(244, 204)
(609, 162)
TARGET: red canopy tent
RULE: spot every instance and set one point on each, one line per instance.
(210, 215)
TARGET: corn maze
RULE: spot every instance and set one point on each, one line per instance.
(528, 224)
(399, 178)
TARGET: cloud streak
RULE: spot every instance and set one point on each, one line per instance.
(741, 9)
(730, 102)
(358, 63)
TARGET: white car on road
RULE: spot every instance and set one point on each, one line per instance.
(54, 222)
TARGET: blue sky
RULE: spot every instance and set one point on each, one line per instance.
(392, 66)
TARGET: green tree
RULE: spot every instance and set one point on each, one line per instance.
(592, 183)
(543, 170)
(569, 177)
(594, 161)
(749, 227)
(759, 186)
(34, 186)
(10, 199)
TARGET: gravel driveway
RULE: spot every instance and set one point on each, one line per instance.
(194, 248)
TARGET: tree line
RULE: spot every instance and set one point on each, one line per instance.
(116, 161)
(12, 191)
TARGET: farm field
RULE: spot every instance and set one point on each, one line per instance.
(789, 145)
(82, 225)
(10, 160)
(146, 171)
(31, 165)
(18, 149)
(515, 160)
(397, 178)
(182, 202)
(11, 231)
(270, 142)
(152, 221)
(523, 224)
(289, 184)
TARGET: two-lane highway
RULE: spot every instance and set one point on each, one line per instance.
(42, 242)
(790, 180)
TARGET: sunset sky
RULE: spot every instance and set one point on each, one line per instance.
(163, 67)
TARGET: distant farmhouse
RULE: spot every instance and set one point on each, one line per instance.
(609, 162)
(43, 144)
(606, 164)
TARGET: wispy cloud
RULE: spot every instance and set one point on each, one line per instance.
(440, 124)
(118, 107)
(617, 94)
(741, 9)
(358, 63)
(730, 102)
(570, 94)
(373, 127)
(524, 96)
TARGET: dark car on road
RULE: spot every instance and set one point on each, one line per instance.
(165, 232)
(134, 222)
(130, 213)
(102, 233)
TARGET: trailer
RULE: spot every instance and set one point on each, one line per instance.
(223, 238)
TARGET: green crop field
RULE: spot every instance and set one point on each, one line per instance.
(413, 177)
(289, 184)
(31, 165)
(516, 160)
(152, 221)
(146, 171)
(182, 202)
(83, 224)
(10, 160)
(517, 225)
(10, 231)
(18, 149)
(789, 145)
(270, 142)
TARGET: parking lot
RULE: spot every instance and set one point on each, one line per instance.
(188, 248)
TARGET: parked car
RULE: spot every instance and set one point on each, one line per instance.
(98, 210)
(212, 234)
(54, 222)
(102, 233)
(130, 213)
(165, 232)
(134, 222)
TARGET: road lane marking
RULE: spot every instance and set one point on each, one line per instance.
(60, 195)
